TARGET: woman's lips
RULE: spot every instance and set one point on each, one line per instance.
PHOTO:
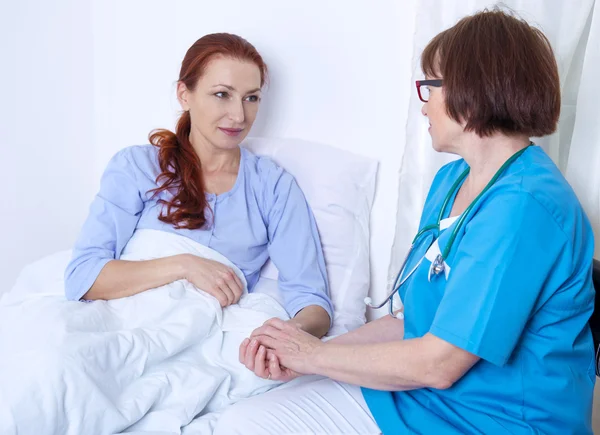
(231, 131)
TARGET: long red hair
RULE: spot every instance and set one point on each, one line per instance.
(181, 169)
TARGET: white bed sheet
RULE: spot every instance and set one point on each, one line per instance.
(144, 364)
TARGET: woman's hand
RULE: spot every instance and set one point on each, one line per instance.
(212, 277)
(264, 363)
(294, 348)
(254, 357)
(279, 372)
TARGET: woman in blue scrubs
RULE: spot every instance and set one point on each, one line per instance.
(498, 341)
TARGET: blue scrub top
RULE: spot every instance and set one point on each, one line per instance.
(264, 215)
(519, 295)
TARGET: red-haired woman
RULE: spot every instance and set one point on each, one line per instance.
(198, 182)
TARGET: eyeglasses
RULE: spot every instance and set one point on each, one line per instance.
(423, 88)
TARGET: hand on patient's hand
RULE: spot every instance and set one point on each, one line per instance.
(214, 278)
(293, 347)
(263, 362)
(279, 372)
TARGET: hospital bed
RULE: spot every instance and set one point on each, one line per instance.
(154, 361)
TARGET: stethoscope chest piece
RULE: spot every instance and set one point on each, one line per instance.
(437, 266)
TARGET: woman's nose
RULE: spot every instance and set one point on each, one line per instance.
(424, 109)
(236, 112)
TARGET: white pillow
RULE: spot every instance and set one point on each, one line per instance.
(339, 187)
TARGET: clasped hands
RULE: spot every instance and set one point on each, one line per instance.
(280, 350)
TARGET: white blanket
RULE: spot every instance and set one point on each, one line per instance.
(149, 363)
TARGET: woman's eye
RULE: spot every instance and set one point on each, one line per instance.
(252, 98)
(221, 94)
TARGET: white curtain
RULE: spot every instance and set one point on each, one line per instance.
(583, 169)
(567, 25)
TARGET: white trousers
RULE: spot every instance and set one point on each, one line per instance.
(320, 406)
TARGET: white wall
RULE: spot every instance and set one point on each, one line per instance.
(45, 129)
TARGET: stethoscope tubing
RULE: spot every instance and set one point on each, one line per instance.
(436, 227)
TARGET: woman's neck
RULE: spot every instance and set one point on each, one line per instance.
(485, 156)
(214, 159)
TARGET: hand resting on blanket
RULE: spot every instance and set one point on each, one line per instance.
(214, 278)
(122, 278)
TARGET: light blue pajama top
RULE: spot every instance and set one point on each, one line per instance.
(264, 215)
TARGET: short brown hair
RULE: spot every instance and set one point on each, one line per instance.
(499, 74)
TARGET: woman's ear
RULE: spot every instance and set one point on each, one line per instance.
(183, 95)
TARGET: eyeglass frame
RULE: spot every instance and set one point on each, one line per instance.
(437, 83)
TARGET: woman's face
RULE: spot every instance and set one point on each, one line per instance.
(224, 103)
(445, 132)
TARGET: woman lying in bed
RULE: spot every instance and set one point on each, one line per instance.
(199, 183)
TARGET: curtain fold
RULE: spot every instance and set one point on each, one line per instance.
(583, 169)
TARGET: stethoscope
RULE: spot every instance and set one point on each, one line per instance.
(438, 265)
